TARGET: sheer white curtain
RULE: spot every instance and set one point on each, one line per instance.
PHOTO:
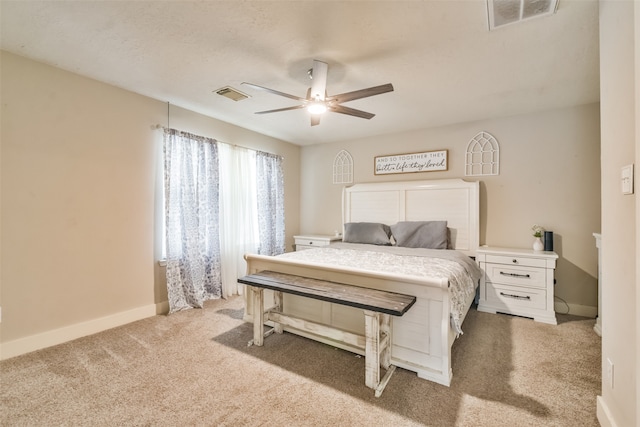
(191, 215)
(270, 182)
(238, 213)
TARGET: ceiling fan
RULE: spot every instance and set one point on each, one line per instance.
(317, 101)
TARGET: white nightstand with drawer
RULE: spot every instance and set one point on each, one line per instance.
(309, 241)
(517, 281)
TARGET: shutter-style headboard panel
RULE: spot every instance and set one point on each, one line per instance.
(453, 200)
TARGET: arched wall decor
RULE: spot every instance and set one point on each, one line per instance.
(343, 168)
(483, 155)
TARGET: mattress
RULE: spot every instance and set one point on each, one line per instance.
(459, 269)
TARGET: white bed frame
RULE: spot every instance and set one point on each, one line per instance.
(423, 337)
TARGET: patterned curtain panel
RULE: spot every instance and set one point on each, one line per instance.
(191, 207)
(270, 181)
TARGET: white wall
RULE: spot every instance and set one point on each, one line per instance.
(619, 75)
(549, 175)
(80, 191)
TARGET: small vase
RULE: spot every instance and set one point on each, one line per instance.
(537, 244)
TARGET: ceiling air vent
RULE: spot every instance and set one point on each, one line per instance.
(505, 12)
(231, 93)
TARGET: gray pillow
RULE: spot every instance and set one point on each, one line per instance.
(421, 234)
(372, 233)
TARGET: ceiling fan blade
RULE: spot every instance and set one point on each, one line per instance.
(275, 92)
(315, 119)
(280, 109)
(350, 111)
(362, 93)
(319, 80)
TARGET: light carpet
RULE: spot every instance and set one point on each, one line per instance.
(194, 368)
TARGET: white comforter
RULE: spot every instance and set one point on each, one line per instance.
(461, 271)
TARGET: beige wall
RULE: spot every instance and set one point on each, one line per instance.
(549, 175)
(80, 191)
(619, 75)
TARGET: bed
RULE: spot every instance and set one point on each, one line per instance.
(442, 280)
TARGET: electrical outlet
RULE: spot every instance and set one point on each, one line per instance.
(610, 372)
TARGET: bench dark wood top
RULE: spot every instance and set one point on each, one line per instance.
(354, 296)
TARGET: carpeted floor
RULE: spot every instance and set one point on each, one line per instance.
(194, 369)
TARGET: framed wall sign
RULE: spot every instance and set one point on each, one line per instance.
(427, 161)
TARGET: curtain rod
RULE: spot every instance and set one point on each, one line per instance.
(159, 126)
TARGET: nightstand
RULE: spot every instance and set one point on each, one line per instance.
(517, 281)
(309, 241)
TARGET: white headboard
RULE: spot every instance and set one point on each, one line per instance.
(453, 200)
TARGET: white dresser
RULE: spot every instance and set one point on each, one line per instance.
(308, 241)
(517, 281)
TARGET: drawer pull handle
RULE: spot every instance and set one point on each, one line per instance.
(527, 297)
(525, 276)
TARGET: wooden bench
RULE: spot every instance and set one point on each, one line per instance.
(377, 305)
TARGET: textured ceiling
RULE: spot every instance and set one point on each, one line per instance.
(445, 65)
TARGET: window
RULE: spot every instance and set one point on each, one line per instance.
(221, 201)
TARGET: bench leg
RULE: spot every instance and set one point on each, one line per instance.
(279, 306)
(385, 358)
(385, 380)
(385, 329)
(371, 349)
(377, 350)
(258, 315)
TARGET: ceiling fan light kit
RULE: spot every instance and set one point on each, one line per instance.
(318, 102)
(317, 108)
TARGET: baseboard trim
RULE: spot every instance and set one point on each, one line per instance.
(575, 309)
(68, 333)
(604, 414)
(598, 328)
